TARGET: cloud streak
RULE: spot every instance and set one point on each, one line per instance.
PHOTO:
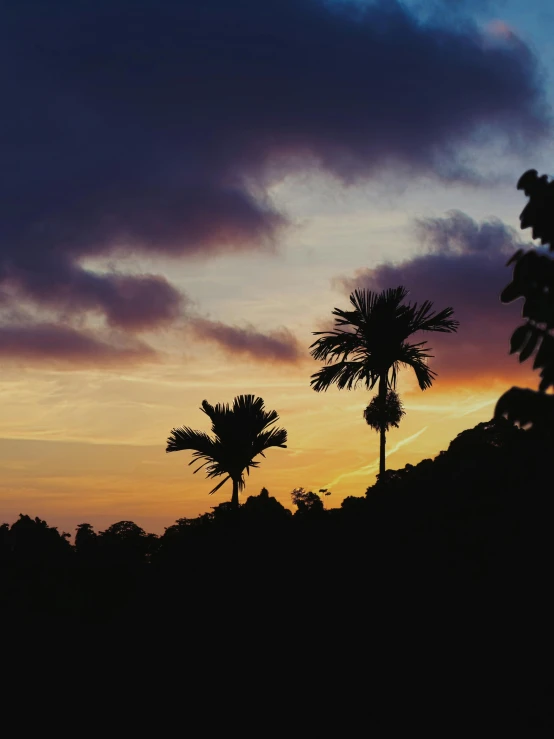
(278, 346)
(64, 347)
(374, 466)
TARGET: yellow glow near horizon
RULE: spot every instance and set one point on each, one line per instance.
(90, 447)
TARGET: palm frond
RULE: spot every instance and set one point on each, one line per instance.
(251, 410)
(219, 485)
(412, 355)
(337, 343)
(424, 319)
(193, 461)
(343, 374)
(270, 438)
(186, 438)
(366, 303)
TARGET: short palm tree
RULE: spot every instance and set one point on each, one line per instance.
(241, 433)
(369, 344)
(382, 418)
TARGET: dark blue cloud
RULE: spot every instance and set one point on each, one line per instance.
(158, 125)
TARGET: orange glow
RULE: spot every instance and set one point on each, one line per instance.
(91, 446)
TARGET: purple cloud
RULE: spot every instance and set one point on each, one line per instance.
(67, 348)
(132, 303)
(278, 346)
(157, 127)
(464, 266)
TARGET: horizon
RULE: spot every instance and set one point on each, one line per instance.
(152, 257)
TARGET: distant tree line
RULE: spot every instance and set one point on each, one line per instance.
(481, 511)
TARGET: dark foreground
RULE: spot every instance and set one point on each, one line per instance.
(433, 589)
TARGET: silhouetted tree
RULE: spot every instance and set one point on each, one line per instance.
(241, 433)
(264, 509)
(369, 344)
(4, 541)
(498, 433)
(381, 417)
(124, 531)
(352, 504)
(533, 280)
(126, 541)
(307, 502)
(85, 538)
(32, 539)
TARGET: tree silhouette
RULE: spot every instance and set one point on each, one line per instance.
(308, 503)
(369, 344)
(264, 508)
(86, 540)
(34, 540)
(241, 433)
(125, 541)
(84, 536)
(533, 280)
(381, 417)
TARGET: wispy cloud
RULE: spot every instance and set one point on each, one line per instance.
(374, 466)
(454, 408)
(474, 408)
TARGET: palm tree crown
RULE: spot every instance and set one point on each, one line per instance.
(240, 433)
(371, 340)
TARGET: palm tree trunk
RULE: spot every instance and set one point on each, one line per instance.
(235, 498)
(383, 433)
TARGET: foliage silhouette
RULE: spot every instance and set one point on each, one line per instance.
(85, 539)
(309, 504)
(473, 514)
(264, 509)
(124, 541)
(431, 544)
(241, 433)
(533, 280)
(369, 344)
(34, 540)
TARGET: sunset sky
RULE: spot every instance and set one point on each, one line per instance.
(189, 189)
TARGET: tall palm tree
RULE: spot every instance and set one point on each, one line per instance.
(382, 418)
(369, 344)
(241, 433)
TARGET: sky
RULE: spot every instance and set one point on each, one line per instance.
(188, 190)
